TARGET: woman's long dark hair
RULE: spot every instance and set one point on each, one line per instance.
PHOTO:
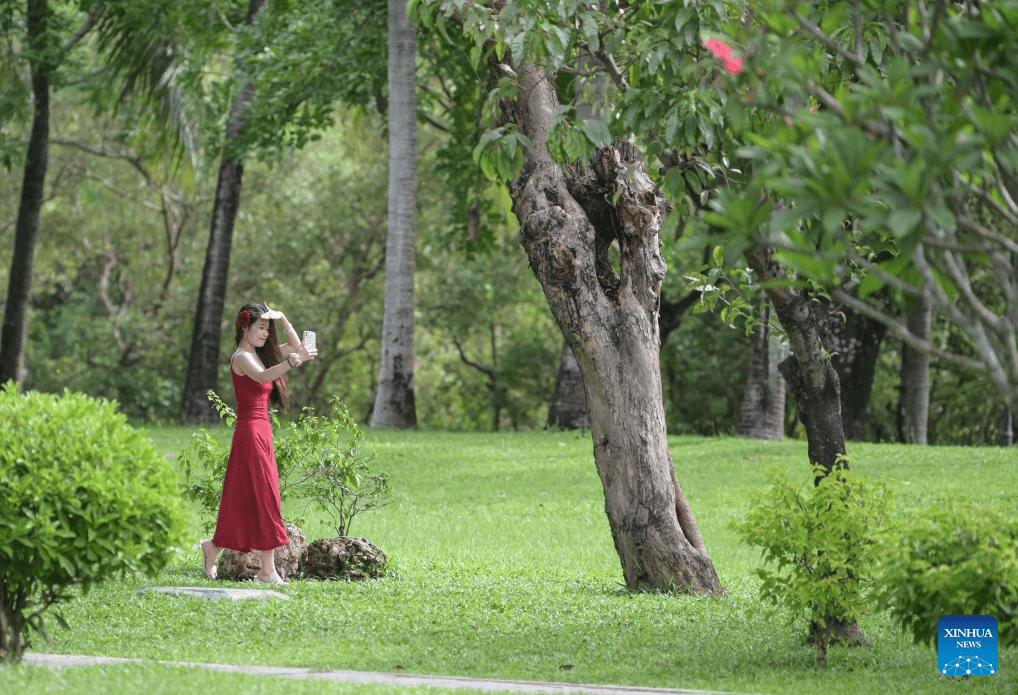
(269, 353)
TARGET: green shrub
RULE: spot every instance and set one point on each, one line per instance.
(320, 459)
(205, 465)
(953, 559)
(83, 497)
(324, 460)
(819, 545)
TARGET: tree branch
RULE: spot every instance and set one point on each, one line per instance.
(90, 21)
(973, 330)
(986, 198)
(132, 159)
(490, 373)
(608, 60)
(826, 40)
(902, 333)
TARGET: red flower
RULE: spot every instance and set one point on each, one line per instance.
(244, 319)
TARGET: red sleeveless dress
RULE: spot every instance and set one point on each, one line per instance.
(249, 513)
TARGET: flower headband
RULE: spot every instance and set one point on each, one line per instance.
(244, 319)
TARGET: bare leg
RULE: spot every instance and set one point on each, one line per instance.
(209, 553)
(268, 574)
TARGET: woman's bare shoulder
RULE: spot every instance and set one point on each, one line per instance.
(244, 363)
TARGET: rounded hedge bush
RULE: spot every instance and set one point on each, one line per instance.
(83, 497)
(953, 559)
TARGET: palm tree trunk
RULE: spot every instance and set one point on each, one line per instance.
(395, 404)
(26, 232)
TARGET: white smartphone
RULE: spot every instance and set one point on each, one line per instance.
(309, 340)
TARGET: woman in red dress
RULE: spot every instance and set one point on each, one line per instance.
(249, 512)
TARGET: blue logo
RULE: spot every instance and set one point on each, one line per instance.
(967, 645)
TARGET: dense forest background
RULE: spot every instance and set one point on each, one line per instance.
(123, 236)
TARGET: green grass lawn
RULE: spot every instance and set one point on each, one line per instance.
(503, 566)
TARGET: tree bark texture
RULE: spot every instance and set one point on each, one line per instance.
(568, 408)
(808, 371)
(609, 316)
(914, 396)
(814, 385)
(203, 357)
(26, 231)
(395, 403)
(853, 341)
(762, 414)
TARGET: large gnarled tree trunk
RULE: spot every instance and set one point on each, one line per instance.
(610, 318)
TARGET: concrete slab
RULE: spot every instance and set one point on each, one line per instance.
(391, 679)
(213, 593)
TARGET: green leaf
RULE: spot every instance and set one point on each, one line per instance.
(903, 221)
(596, 131)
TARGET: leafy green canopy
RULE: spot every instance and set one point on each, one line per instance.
(303, 58)
(873, 144)
(641, 69)
(83, 497)
(890, 160)
(179, 66)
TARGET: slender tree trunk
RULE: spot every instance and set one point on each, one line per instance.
(814, 385)
(395, 404)
(1007, 429)
(611, 323)
(568, 408)
(762, 415)
(853, 340)
(914, 397)
(203, 358)
(808, 371)
(26, 231)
